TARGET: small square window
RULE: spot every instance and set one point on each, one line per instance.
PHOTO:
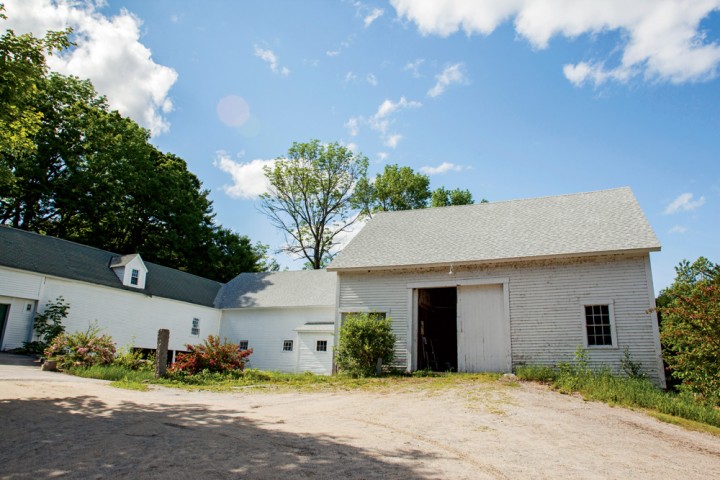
(597, 325)
(243, 344)
(287, 345)
(134, 277)
(321, 346)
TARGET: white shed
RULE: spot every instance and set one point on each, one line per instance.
(287, 318)
(491, 286)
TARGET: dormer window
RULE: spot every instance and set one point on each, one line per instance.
(130, 270)
(134, 277)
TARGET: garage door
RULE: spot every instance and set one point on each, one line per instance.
(483, 332)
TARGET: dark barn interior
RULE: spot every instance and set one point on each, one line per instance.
(437, 329)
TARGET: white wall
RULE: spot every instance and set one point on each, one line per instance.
(309, 359)
(131, 316)
(545, 306)
(266, 328)
(18, 289)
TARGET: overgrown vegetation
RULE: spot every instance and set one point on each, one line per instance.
(365, 338)
(81, 349)
(633, 391)
(48, 325)
(690, 328)
(213, 356)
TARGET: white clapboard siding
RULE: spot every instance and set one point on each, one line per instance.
(266, 329)
(482, 336)
(18, 325)
(132, 318)
(545, 300)
(309, 358)
(20, 284)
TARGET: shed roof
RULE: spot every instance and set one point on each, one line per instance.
(304, 288)
(61, 258)
(607, 221)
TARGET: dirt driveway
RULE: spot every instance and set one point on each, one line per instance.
(53, 425)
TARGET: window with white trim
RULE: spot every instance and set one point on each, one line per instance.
(321, 346)
(599, 328)
(134, 276)
(287, 345)
(243, 344)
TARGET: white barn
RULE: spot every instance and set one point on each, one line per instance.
(491, 286)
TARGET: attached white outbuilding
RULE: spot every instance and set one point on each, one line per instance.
(287, 318)
(491, 286)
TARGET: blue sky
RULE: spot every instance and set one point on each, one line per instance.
(507, 99)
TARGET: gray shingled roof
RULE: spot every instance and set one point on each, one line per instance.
(303, 288)
(61, 258)
(566, 225)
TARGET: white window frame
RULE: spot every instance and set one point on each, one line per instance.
(290, 343)
(611, 311)
(317, 346)
(135, 277)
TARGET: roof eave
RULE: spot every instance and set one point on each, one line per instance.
(496, 260)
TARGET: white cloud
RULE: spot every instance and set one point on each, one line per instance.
(382, 156)
(269, 56)
(381, 120)
(678, 229)
(414, 67)
(332, 53)
(248, 177)
(109, 52)
(450, 75)
(442, 168)
(353, 125)
(350, 77)
(659, 39)
(392, 140)
(372, 16)
(371, 79)
(684, 203)
(352, 146)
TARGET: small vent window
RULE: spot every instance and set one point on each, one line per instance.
(321, 346)
(243, 344)
(134, 277)
(195, 330)
(287, 345)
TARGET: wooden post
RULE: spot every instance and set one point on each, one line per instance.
(163, 340)
(378, 367)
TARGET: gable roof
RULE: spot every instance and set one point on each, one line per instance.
(303, 288)
(607, 221)
(61, 258)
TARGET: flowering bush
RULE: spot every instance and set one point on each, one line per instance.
(81, 349)
(211, 355)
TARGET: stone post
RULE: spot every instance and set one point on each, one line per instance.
(163, 340)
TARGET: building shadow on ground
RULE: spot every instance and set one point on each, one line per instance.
(82, 437)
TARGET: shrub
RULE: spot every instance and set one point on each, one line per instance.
(81, 349)
(130, 359)
(211, 355)
(364, 339)
(48, 325)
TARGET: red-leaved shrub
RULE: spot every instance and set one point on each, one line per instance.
(211, 355)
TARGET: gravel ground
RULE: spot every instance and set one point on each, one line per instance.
(57, 426)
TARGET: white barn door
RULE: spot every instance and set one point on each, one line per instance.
(482, 334)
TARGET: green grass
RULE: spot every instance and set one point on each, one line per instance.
(627, 392)
(114, 373)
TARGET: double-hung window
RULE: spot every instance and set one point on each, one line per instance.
(599, 324)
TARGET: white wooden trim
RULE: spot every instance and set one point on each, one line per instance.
(508, 332)
(456, 282)
(611, 311)
(654, 320)
(411, 343)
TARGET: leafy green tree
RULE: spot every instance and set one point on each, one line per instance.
(442, 197)
(48, 325)
(22, 66)
(309, 197)
(690, 328)
(364, 339)
(396, 188)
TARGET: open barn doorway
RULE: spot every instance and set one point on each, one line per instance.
(437, 329)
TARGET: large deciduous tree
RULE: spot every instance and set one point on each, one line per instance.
(309, 197)
(690, 328)
(396, 188)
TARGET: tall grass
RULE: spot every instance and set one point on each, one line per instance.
(629, 392)
(114, 373)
